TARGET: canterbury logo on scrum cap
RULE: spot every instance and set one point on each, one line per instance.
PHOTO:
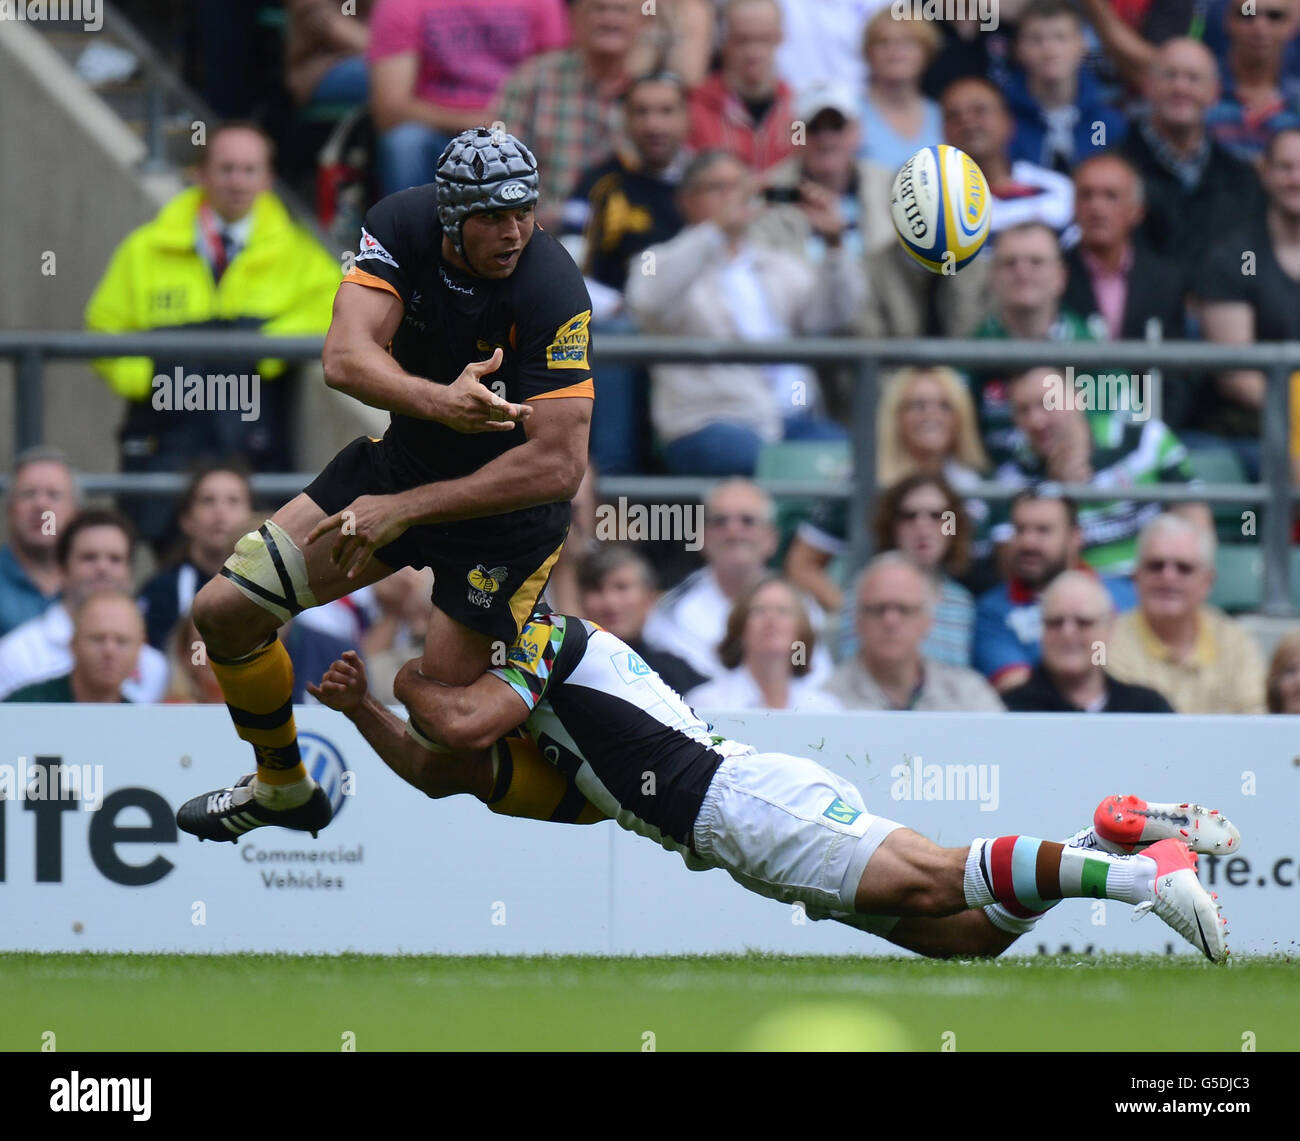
(512, 192)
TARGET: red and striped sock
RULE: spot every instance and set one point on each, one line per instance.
(1026, 875)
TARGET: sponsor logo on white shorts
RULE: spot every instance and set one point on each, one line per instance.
(841, 812)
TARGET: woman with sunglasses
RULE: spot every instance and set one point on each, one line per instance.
(922, 516)
(925, 425)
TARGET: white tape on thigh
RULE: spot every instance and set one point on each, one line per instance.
(268, 568)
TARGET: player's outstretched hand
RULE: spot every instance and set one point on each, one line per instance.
(469, 405)
(344, 685)
(371, 522)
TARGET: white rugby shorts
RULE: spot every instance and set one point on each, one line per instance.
(788, 828)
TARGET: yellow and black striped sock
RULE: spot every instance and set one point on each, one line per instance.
(525, 785)
(259, 694)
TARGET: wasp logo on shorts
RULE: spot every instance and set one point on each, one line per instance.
(569, 349)
(841, 813)
(484, 583)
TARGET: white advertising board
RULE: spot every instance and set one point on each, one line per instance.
(105, 869)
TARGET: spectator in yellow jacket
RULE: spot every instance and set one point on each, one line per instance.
(221, 255)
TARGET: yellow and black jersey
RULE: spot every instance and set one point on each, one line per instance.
(539, 316)
(614, 728)
(621, 211)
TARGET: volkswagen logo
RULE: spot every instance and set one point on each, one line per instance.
(326, 765)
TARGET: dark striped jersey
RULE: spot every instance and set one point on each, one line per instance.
(602, 716)
(539, 317)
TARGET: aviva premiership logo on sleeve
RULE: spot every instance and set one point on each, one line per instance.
(530, 645)
(569, 349)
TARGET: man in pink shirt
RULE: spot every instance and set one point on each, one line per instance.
(435, 67)
(745, 108)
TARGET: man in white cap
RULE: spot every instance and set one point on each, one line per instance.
(827, 115)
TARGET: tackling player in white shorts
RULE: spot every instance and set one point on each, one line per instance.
(626, 746)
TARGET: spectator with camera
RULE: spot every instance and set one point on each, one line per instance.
(828, 159)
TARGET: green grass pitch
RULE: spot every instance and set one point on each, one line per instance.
(119, 1002)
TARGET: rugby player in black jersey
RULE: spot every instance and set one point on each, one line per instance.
(624, 745)
(470, 326)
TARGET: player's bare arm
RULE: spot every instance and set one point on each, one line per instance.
(548, 468)
(345, 688)
(461, 717)
(358, 364)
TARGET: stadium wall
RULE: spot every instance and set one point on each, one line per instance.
(70, 184)
(396, 872)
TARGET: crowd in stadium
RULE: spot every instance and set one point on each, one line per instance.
(723, 168)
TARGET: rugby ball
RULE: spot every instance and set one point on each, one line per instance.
(940, 207)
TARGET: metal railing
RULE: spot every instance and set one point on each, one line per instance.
(32, 350)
